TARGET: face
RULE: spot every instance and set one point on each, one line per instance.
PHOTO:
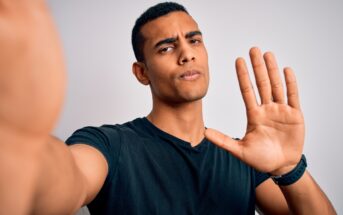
(176, 62)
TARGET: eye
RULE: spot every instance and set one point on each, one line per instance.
(165, 49)
(195, 41)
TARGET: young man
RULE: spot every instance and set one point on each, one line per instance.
(165, 163)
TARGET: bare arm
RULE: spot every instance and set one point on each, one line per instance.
(273, 199)
(49, 178)
(39, 174)
(306, 197)
(70, 177)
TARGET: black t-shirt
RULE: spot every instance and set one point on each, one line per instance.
(152, 172)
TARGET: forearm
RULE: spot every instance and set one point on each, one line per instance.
(19, 171)
(62, 187)
(306, 197)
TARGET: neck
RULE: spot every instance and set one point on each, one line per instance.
(184, 121)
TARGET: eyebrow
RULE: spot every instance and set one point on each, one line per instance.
(193, 33)
(174, 39)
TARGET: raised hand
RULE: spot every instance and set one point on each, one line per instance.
(275, 132)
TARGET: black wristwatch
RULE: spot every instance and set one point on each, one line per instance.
(292, 176)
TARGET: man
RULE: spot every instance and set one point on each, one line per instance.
(165, 163)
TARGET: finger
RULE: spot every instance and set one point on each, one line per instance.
(292, 89)
(245, 85)
(275, 79)
(225, 142)
(261, 75)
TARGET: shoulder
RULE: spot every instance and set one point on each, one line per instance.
(104, 133)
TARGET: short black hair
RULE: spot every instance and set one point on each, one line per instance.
(154, 12)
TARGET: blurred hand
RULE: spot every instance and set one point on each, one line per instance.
(275, 132)
(32, 83)
(32, 76)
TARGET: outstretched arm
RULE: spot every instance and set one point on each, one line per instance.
(274, 139)
(38, 174)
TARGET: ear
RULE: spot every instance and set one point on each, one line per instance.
(140, 71)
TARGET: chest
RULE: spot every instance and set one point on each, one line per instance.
(174, 180)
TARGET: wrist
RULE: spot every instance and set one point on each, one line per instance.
(283, 170)
(292, 175)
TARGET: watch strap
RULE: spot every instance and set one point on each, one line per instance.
(292, 176)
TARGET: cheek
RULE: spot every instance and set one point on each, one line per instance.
(158, 80)
(203, 59)
(161, 81)
(160, 71)
(204, 55)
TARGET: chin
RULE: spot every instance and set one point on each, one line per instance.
(194, 96)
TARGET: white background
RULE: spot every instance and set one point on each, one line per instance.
(306, 35)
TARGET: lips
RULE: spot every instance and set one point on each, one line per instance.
(190, 75)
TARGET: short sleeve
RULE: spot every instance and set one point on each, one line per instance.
(106, 139)
(260, 177)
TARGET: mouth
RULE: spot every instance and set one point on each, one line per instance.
(190, 75)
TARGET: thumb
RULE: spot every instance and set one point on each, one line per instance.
(224, 141)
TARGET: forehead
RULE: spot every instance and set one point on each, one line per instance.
(173, 24)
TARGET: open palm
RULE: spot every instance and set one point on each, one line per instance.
(275, 131)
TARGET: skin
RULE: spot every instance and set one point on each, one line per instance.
(19, 86)
(29, 107)
(176, 96)
(32, 162)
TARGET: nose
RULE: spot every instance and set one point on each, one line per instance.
(186, 54)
